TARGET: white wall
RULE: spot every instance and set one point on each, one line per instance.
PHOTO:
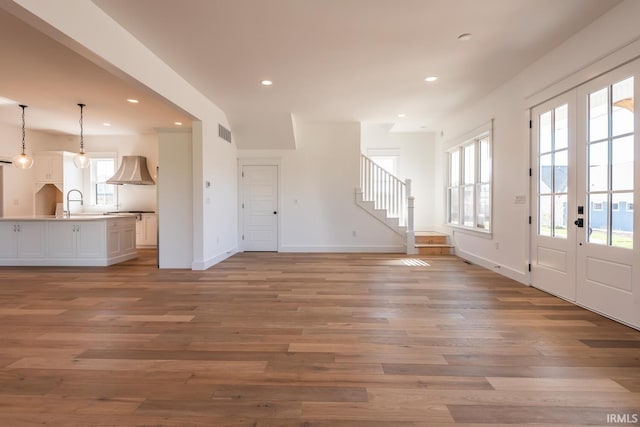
(416, 161)
(317, 193)
(175, 199)
(590, 52)
(17, 190)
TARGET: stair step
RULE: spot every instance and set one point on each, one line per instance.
(434, 249)
(431, 238)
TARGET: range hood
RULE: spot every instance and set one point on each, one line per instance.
(133, 170)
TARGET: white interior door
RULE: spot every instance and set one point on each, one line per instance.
(259, 208)
(553, 237)
(608, 279)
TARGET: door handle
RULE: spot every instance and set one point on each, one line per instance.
(579, 222)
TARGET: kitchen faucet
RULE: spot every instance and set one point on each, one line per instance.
(73, 200)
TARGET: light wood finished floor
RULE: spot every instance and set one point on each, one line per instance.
(327, 340)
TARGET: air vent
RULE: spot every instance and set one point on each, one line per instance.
(224, 133)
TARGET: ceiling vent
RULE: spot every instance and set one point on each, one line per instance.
(224, 133)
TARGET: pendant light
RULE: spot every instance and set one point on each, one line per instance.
(23, 160)
(81, 160)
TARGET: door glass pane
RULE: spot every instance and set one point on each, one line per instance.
(468, 206)
(484, 207)
(454, 206)
(560, 216)
(545, 175)
(561, 128)
(469, 164)
(622, 164)
(454, 168)
(544, 216)
(598, 166)
(598, 220)
(622, 220)
(622, 111)
(544, 143)
(560, 171)
(598, 116)
(485, 161)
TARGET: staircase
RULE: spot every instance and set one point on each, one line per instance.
(389, 200)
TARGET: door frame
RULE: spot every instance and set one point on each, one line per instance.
(259, 161)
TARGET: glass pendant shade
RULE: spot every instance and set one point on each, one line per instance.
(81, 160)
(23, 160)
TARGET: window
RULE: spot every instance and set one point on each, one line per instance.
(102, 166)
(610, 154)
(469, 184)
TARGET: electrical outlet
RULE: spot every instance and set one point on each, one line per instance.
(354, 234)
(497, 245)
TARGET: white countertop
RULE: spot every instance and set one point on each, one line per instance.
(73, 217)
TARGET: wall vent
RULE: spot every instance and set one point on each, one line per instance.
(224, 133)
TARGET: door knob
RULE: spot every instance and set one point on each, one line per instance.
(579, 222)
(275, 212)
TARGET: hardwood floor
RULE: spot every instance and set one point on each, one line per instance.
(327, 340)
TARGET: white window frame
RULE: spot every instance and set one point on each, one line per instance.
(483, 133)
(90, 197)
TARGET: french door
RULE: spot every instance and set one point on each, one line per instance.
(585, 245)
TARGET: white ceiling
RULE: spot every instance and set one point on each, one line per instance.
(330, 60)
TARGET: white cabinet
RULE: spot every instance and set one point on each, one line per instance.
(82, 239)
(49, 167)
(96, 241)
(22, 239)
(147, 230)
(121, 237)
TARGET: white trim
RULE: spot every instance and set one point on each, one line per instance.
(343, 248)
(517, 275)
(204, 265)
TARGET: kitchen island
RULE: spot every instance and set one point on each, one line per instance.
(78, 240)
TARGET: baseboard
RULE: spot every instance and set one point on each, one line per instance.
(518, 276)
(203, 265)
(379, 249)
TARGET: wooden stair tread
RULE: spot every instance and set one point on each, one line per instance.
(433, 245)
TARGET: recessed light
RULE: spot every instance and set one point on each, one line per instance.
(266, 82)
(177, 123)
(132, 100)
(106, 124)
(431, 79)
(401, 115)
(464, 37)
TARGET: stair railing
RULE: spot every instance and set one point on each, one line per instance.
(388, 192)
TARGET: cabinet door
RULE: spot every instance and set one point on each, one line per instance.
(91, 239)
(43, 167)
(49, 168)
(151, 229)
(61, 241)
(32, 239)
(8, 240)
